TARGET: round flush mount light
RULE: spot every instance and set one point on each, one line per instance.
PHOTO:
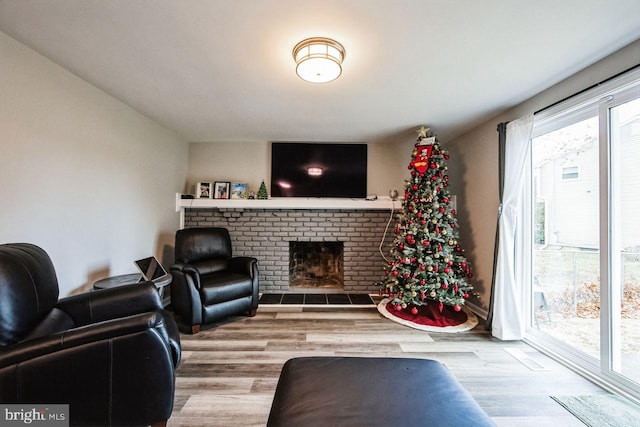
(318, 59)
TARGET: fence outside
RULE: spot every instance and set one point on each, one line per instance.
(567, 282)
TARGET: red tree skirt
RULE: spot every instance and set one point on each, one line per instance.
(430, 318)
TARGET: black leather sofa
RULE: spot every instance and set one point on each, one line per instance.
(209, 283)
(371, 392)
(109, 354)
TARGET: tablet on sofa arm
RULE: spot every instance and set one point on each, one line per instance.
(151, 269)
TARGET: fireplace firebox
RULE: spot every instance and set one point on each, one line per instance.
(316, 265)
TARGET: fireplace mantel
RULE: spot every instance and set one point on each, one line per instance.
(301, 203)
(382, 203)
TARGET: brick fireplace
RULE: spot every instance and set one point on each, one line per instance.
(267, 234)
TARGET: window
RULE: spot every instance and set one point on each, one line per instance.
(570, 172)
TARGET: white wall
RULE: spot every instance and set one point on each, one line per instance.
(474, 164)
(250, 162)
(82, 175)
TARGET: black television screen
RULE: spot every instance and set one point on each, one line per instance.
(318, 170)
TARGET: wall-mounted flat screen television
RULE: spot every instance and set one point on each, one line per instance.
(301, 169)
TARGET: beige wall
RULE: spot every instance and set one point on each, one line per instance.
(250, 162)
(474, 164)
(82, 175)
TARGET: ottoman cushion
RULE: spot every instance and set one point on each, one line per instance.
(360, 391)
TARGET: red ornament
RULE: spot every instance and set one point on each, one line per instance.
(441, 210)
(407, 275)
(466, 295)
(395, 273)
(446, 156)
(463, 264)
(450, 262)
(447, 270)
(457, 307)
(397, 307)
(414, 311)
(445, 286)
(432, 166)
(415, 187)
(440, 306)
(453, 211)
(422, 267)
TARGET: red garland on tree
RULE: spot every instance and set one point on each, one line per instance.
(428, 263)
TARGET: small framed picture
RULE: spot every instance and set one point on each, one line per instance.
(203, 190)
(239, 190)
(221, 190)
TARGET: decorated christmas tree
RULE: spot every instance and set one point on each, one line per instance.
(427, 262)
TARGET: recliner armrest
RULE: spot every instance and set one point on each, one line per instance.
(77, 337)
(244, 265)
(106, 304)
(188, 269)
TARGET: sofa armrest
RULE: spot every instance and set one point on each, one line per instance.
(105, 304)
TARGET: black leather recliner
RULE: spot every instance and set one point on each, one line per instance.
(109, 354)
(209, 283)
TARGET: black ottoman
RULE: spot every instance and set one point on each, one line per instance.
(360, 391)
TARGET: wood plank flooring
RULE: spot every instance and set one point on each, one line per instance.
(229, 371)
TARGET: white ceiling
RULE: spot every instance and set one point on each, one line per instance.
(222, 70)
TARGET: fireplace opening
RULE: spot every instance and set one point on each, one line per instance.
(316, 265)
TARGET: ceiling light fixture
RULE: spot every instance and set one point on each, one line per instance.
(314, 171)
(318, 59)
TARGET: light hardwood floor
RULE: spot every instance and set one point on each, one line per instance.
(229, 372)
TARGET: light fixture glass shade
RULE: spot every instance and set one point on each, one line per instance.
(318, 59)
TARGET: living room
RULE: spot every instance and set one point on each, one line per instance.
(93, 179)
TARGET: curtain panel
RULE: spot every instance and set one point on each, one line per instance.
(512, 265)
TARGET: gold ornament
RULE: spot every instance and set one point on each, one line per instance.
(432, 294)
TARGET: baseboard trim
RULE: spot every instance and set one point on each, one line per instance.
(478, 311)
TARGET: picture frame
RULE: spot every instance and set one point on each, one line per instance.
(203, 190)
(221, 190)
(239, 190)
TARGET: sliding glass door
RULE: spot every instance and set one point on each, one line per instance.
(566, 256)
(623, 118)
(585, 257)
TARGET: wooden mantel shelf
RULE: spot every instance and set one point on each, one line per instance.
(382, 203)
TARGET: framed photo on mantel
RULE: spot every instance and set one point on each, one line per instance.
(221, 190)
(238, 190)
(203, 190)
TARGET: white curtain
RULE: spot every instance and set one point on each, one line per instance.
(514, 243)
